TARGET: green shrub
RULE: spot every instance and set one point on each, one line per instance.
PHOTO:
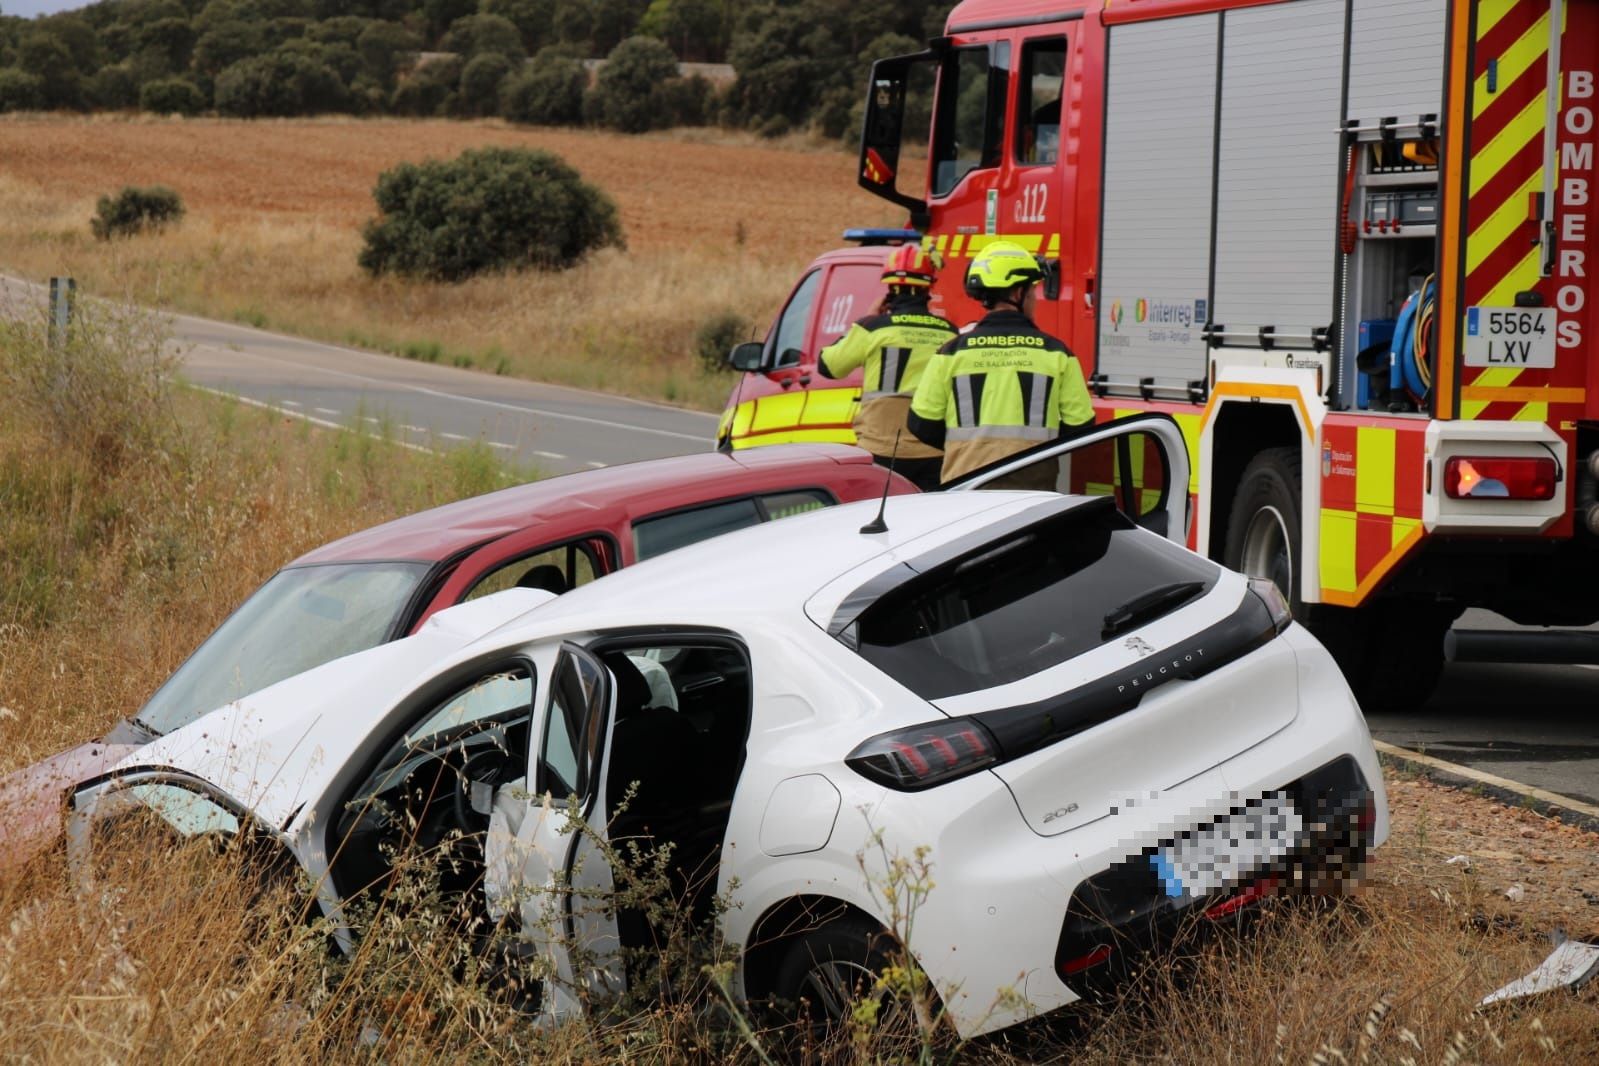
(477, 35)
(280, 84)
(488, 209)
(548, 92)
(627, 93)
(430, 90)
(171, 96)
(481, 78)
(136, 210)
(114, 88)
(20, 91)
(717, 336)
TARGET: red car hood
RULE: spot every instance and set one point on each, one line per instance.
(31, 799)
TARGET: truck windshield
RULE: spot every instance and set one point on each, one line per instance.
(1027, 603)
(303, 617)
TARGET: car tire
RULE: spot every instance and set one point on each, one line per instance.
(1391, 652)
(1264, 523)
(825, 970)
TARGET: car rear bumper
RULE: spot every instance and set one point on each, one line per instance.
(1009, 906)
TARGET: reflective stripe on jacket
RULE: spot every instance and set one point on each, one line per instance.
(894, 348)
(999, 389)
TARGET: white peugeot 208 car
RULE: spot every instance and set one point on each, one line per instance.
(1094, 734)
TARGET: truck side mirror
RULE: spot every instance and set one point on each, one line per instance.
(747, 357)
(883, 131)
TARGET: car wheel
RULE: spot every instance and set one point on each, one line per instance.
(826, 971)
(1263, 528)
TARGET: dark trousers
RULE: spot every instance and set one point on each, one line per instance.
(923, 473)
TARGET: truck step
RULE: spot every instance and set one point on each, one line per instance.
(1569, 646)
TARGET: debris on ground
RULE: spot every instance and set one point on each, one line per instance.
(1570, 965)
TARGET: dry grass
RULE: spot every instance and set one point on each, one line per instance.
(111, 569)
(713, 222)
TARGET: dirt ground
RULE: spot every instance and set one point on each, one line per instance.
(672, 191)
(1519, 870)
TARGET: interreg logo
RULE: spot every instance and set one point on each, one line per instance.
(1116, 315)
(1141, 310)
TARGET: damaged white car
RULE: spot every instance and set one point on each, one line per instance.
(1096, 734)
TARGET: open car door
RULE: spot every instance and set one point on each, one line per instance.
(1141, 460)
(545, 870)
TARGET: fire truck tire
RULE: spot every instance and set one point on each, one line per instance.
(1263, 526)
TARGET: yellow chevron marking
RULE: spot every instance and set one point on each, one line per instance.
(1374, 470)
(1532, 412)
(1521, 277)
(1474, 399)
(1492, 157)
(1529, 49)
(1500, 226)
(1489, 12)
(1054, 246)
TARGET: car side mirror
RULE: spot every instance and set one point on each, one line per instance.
(747, 357)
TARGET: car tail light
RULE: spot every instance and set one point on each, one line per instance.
(1251, 894)
(1094, 958)
(1483, 477)
(925, 755)
(1267, 591)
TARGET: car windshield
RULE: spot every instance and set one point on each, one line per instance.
(301, 618)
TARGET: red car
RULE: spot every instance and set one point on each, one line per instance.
(381, 584)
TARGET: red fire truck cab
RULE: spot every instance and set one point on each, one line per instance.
(1346, 243)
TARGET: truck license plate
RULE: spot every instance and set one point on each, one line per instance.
(1227, 852)
(1510, 336)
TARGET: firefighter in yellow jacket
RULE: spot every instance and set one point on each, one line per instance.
(1005, 385)
(894, 346)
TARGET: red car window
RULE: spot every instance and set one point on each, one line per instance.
(852, 291)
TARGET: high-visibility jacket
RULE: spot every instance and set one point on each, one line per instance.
(999, 389)
(894, 347)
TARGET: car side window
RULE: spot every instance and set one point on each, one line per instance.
(502, 695)
(658, 535)
(788, 337)
(1131, 467)
(558, 569)
(853, 291)
(573, 727)
(1039, 100)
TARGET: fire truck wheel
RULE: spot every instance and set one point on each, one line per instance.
(1263, 528)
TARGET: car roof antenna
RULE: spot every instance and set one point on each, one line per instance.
(877, 525)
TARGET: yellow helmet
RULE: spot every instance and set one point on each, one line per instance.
(999, 267)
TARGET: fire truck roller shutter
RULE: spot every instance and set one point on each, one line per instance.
(1159, 164)
(1396, 59)
(1277, 175)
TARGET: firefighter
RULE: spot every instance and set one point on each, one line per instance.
(894, 346)
(1004, 386)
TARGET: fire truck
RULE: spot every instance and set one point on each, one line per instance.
(1346, 244)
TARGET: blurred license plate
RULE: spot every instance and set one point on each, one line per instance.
(1227, 852)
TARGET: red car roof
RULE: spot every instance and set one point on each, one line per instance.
(603, 499)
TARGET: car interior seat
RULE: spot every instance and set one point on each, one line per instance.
(545, 576)
(656, 747)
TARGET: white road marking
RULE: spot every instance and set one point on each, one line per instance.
(451, 436)
(549, 455)
(442, 395)
(286, 403)
(325, 410)
(374, 421)
(497, 444)
(414, 429)
(323, 423)
(596, 466)
(1543, 795)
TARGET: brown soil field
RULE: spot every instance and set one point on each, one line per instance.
(714, 223)
(673, 194)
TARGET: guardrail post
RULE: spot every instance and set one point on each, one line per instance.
(63, 294)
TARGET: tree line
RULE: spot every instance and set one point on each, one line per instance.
(797, 64)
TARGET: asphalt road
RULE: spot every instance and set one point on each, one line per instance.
(550, 428)
(1538, 725)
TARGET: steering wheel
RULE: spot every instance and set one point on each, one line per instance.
(491, 766)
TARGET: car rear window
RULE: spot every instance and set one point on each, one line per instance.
(1010, 609)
